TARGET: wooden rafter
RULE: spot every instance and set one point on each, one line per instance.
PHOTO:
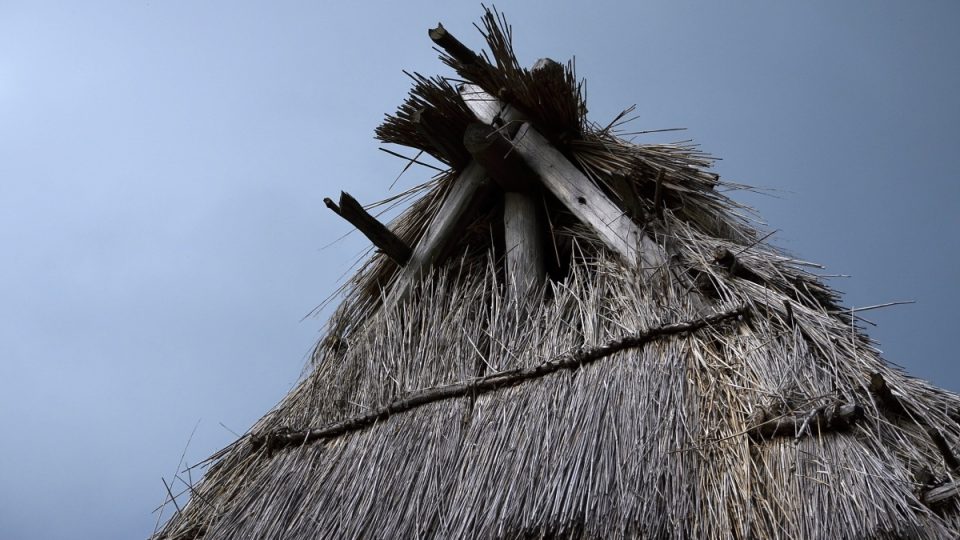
(584, 199)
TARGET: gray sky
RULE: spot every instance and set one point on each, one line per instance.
(163, 165)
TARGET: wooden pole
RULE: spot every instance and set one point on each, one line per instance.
(455, 208)
(378, 233)
(588, 202)
(490, 147)
(585, 200)
(837, 418)
(524, 244)
(487, 108)
(452, 45)
(442, 229)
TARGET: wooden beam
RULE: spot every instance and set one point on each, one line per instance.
(487, 108)
(452, 45)
(493, 150)
(571, 186)
(940, 494)
(378, 233)
(588, 202)
(524, 244)
(840, 417)
(442, 229)
(463, 194)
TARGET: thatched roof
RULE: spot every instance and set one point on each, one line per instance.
(700, 384)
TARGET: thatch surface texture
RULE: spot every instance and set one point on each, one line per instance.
(726, 395)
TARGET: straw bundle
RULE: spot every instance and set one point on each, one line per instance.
(726, 394)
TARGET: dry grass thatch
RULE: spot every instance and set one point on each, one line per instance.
(727, 395)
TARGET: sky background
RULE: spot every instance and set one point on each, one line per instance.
(163, 166)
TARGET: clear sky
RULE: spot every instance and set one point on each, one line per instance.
(163, 165)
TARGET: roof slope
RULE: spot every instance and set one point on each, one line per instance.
(723, 394)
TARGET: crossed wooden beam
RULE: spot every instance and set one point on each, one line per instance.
(508, 152)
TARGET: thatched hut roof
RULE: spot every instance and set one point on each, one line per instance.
(677, 377)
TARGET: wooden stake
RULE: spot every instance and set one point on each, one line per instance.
(378, 233)
(452, 45)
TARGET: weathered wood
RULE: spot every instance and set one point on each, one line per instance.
(491, 148)
(441, 231)
(452, 45)
(378, 233)
(588, 202)
(487, 108)
(331, 205)
(455, 207)
(886, 396)
(940, 494)
(724, 258)
(524, 244)
(821, 419)
(572, 187)
(545, 66)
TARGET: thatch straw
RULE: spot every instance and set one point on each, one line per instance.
(735, 399)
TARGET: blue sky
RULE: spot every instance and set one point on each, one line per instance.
(163, 165)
